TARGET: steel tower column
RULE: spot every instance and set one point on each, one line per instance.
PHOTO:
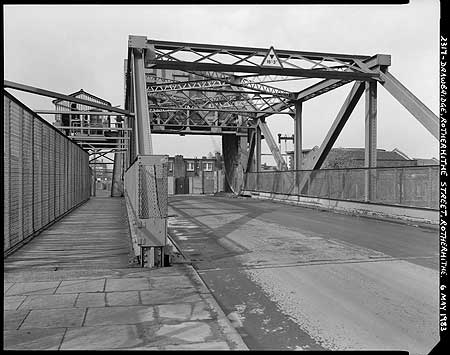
(258, 148)
(370, 157)
(298, 139)
(142, 116)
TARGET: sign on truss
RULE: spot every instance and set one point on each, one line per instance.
(271, 59)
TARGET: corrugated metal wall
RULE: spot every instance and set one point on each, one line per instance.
(45, 174)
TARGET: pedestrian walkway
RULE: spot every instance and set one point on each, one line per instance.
(76, 286)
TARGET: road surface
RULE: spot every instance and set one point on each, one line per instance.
(296, 278)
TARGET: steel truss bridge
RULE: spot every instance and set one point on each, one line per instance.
(191, 88)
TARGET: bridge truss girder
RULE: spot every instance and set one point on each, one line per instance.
(229, 90)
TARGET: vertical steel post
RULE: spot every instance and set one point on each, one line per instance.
(298, 141)
(258, 155)
(95, 174)
(258, 149)
(429, 191)
(243, 151)
(142, 117)
(370, 157)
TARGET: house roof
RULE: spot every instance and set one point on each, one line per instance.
(425, 161)
(359, 154)
(82, 92)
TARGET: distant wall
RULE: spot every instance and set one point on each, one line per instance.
(45, 174)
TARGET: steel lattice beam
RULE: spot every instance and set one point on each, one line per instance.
(372, 63)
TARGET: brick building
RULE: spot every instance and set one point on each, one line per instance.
(195, 175)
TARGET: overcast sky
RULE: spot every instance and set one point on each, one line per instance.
(67, 47)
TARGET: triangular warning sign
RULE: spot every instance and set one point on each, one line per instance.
(271, 59)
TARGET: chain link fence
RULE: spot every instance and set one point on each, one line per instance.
(416, 186)
(45, 174)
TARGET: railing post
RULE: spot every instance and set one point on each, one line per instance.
(429, 191)
(327, 174)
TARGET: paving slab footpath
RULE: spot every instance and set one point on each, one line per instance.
(75, 287)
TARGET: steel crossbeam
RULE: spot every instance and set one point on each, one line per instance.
(217, 83)
(372, 63)
(221, 101)
(219, 65)
(208, 119)
(206, 57)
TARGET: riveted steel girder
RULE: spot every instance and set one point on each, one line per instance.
(421, 112)
(372, 63)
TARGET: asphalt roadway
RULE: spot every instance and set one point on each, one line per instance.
(294, 278)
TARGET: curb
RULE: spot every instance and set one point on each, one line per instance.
(385, 218)
(231, 335)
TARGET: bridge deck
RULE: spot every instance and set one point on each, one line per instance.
(93, 236)
(72, 288)
(299, 278)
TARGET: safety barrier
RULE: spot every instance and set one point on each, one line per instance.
(45, 174)
(416, 186)
(147, 198)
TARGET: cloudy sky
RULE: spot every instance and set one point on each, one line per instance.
(66, 47)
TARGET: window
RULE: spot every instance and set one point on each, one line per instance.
(190, 166)
(170, 166)
(207, 166)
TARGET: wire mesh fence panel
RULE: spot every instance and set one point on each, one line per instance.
(15, 205)
(72, 175)
(146, 192)
(433, 192)
(76, 176)
(6, 172)
(265, 181)
(44, 175)
(51, 175)
(387, 189)
(153, 191)
(277, 186)
(335, 181)
(62, 177)
(415, 186)
(57, 175)
(250, 183)
(289, 182)
(318, 184)
(27, 172)
(355, 185)
(39, 169)
(37, 176)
